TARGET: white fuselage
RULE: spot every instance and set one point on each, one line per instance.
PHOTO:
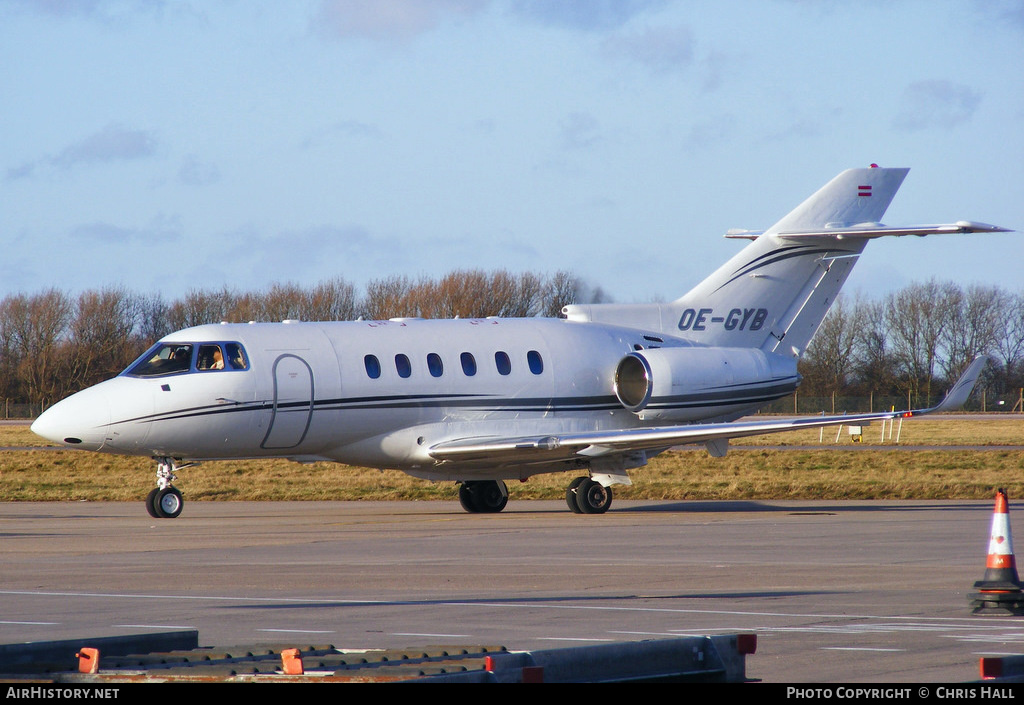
(343, 392)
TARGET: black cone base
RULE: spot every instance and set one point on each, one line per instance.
(997, 602)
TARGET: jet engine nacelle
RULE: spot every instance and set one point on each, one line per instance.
(683, 383)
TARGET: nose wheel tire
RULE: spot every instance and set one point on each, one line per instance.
(151, 503)
(164, 504)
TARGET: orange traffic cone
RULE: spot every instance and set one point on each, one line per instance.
(1000, 590)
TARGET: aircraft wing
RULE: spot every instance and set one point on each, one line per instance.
(715, 435)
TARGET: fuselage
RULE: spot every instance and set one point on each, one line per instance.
(381, 393)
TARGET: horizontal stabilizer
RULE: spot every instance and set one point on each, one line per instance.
(873, 230)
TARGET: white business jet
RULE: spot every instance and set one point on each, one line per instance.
(481, 401)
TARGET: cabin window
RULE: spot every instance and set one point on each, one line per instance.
(163, 359)
(372, 365)
(535, 362)
(435, 365)
(502, 362)
(403, 365)
(468, 364)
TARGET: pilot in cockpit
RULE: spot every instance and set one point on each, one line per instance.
(180, 359)
(210, 358)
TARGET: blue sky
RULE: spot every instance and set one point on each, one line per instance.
(170, 145)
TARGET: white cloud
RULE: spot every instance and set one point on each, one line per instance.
(585, 15)
(580, 130)
(389, 20)
(161, 229)
(942, 104)
(112, 143)
(193, 172)
(661, 49)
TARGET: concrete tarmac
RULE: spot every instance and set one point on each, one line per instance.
(851, 591)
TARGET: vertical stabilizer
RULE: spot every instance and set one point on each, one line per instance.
(775, 292)
(854, 197)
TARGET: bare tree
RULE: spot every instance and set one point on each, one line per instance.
(389, 298)
(873, 357)
(102, 339)
(972, 328)
(829, 361)
(917, 316)
(10, 349)
(197, 308)
(525, 297)
(561, 289)
(154, 322)
(1009, 345)
(36, 328)
(283, 302)
(331, 300)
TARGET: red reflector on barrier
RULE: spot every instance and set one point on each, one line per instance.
(746, 643)
(88, 660)
(991, 667)
(291, 662)
(533, 674)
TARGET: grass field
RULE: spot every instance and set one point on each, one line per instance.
(802, 465)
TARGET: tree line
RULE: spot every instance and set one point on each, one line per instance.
(913, 343)
(53, 343)
(910, 344)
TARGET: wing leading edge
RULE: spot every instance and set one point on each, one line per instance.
(593, 444)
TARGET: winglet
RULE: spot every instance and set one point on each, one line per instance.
(958, 394)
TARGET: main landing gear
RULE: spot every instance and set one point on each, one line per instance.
(483, 496)
(165, 501)
(586, 496)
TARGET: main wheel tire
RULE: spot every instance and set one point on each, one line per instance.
(168, 503)
(570, 495)
(593, 497)
(467, 498)
(483, 496)
(151, 503)
(490, 496)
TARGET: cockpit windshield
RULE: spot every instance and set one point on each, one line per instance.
(174, 358)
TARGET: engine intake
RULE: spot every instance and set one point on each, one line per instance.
(633, 383)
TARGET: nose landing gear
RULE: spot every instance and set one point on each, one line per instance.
(165, 501)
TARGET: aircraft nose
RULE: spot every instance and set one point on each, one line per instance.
(80, 421)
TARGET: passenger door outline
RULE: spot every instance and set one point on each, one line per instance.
(292, 410)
